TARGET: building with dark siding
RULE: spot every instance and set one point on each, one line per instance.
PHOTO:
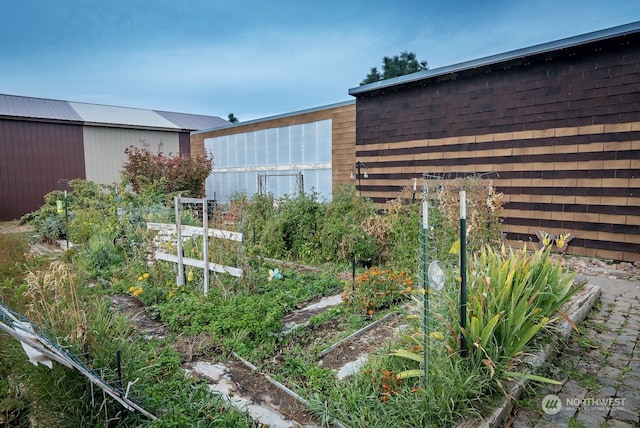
(557, 125)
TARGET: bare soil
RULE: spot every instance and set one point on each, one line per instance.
(14, 227)
(258, 389)
(365, 343)
(135, 310)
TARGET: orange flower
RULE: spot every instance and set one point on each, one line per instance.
(370, 312)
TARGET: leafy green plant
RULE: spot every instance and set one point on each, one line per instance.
(397, 235)
(52, 227)
(100, 257)
(376, 397)
(512, 296)
(343, 234)
(292, 228)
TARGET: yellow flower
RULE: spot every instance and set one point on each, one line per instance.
(137, 292)
(140, 278)
(145, 275)
(435, 335)
(132, 288)
(190, 276)
(423, 291)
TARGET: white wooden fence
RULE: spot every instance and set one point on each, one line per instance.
(177, 233)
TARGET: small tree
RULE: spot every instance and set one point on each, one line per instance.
(232, 118)
(399, 65)
(174, 173)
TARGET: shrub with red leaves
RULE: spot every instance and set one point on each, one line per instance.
(176, 173)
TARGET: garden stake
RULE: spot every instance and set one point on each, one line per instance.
(415, 186)
(66, 220)
(425, 283)
(353, 273)
(180, 278)
(463, 270)
(205, 244)
(119, 371)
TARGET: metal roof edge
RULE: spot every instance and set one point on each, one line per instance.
(133, 126)
(542, 48)
(278, 116)
(41, 119)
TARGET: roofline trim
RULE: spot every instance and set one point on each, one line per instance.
(279, 116)
(132, 126)
(557, 45)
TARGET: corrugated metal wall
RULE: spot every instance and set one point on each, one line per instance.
(185, 143)
(33, 157)
(104, 149)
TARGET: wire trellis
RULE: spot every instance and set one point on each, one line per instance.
(34, 336)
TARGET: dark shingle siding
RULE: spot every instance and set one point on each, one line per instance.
(509, 100)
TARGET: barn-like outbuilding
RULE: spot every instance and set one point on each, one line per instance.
(44, 143)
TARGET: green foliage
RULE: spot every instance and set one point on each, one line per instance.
(293, 226)
(83, 225)
(397, 237)
(245, 315)
(52, 228)
(377, 289)
(398, 65)
(349, 226)
(12, 256)
(63, 397)
(145, 169)
(100, 258)
(376, 397)
(343, 236)
(258, 214)
(512, 296)
(241, 321)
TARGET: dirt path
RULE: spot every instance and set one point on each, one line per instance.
(14, 227)
(40, 248)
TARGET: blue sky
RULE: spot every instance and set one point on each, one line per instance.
(260, 58)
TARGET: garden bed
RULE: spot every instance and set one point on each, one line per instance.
(245, 387)
(247, 390)
(280, 336)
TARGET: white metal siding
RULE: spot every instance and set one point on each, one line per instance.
(104, 149)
